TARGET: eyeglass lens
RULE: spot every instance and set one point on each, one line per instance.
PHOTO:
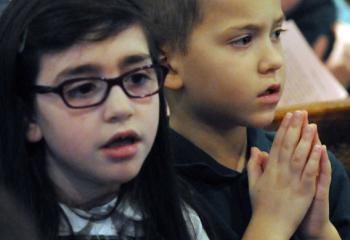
(92, 91)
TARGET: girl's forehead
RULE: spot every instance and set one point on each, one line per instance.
(108, 56)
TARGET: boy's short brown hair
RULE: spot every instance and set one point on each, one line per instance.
(172, 21)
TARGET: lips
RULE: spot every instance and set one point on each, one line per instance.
(273, 89)
(122, 145)
(271, 95)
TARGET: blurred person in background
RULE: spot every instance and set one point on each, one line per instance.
(339, 60)
(315, 19)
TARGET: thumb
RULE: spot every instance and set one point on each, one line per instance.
(255, 166)
(317, 139)
(264, 157)
(325, 175)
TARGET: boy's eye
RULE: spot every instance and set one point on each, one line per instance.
(277, 33)
(242, 41)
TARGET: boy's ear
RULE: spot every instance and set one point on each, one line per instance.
(34, 133)
(173, 79)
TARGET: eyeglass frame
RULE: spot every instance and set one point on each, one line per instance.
(160, 69)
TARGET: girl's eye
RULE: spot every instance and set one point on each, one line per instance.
(141, 83)
(242, 41)
(137, 80)
(82, 89)
(277, 34)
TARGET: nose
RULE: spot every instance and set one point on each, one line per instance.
(118, 106)
(272, 58)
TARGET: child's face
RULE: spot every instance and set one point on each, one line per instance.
(76, 139)
(232, 72)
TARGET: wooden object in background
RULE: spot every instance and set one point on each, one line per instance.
(333, 121)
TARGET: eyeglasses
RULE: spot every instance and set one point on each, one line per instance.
(92, 91)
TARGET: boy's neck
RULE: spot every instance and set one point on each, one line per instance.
(228, 147)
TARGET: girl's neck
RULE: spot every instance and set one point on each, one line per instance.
(77, 200)
(227, 146)
(81, 194)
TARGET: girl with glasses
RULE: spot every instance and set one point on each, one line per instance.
(83, 125)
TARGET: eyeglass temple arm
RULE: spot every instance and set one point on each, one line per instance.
(44, 89)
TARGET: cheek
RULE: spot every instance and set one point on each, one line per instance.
(61, 130)
(148, 119)
(225, 84)
(154, 119)
(282, 75)
(70, 138)
(223, 73)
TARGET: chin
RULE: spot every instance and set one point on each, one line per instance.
(262, 119)
(120, 175)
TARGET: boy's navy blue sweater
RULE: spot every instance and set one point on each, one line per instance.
(224, 194)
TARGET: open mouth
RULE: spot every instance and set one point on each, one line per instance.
(272, 90)
(122, 140)
(124, 145)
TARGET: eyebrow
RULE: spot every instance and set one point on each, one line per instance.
(133, 59)
(280, 20)
(76, 71)
(79, 70)
(95, 69)
(257, 26)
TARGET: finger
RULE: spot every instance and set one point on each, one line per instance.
(317, 138)
(306, 118)
(325, 176)
(264, 160)
(310, 172)
(303, 149)
(277, 142)
(292, 137)
(254, 167)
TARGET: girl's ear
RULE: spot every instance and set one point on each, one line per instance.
(34, 133)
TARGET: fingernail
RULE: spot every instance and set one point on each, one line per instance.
(297, 117)
(288, 115)
(252, 151)
(308, 131)
(286, 119)
(298, 114)
(317, 148)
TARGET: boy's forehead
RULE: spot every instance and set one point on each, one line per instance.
(252, 9)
